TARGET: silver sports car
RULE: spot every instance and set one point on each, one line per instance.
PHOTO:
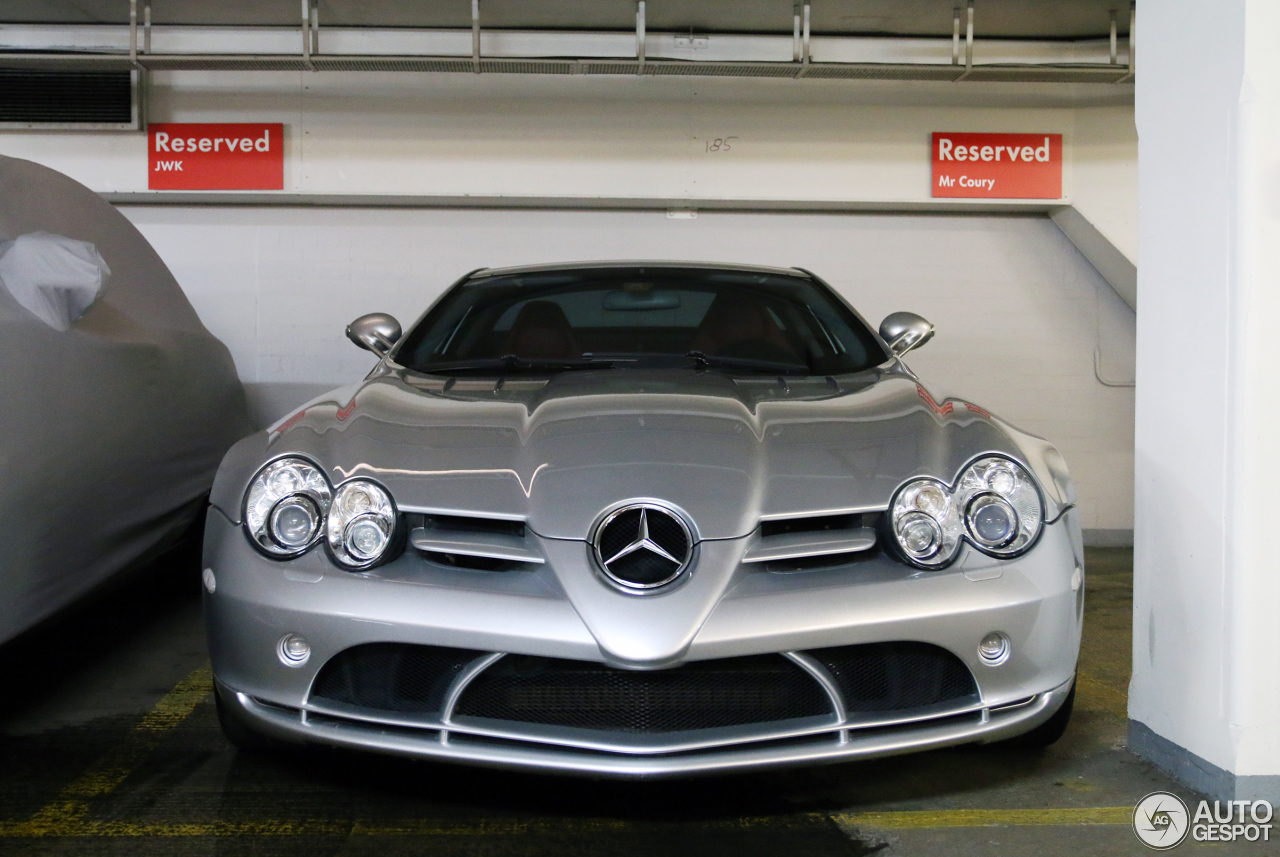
(638, 519)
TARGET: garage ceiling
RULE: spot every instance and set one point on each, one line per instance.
(1012, 19)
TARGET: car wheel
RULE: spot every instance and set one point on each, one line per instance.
(1047, 732)
(239, 731)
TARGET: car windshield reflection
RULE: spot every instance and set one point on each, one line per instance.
(619, 318)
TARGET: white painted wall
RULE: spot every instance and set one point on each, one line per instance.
(1019, 311)
(617, 136)
(1206, 591)
(1104, 174)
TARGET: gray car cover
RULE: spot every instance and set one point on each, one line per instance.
(116, 404)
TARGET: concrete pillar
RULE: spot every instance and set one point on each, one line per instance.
(1204, 702)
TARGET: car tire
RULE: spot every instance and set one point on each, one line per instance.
(237, 729)
(1047, 732)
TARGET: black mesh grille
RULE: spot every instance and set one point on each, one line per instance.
(879, 677)
(391, 676)
(700, 695)
(65, 97)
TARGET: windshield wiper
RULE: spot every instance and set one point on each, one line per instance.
(705, 361)
(516, 363)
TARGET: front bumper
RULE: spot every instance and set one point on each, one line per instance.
(985, 725)
(256, 601)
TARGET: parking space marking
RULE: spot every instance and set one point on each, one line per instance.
(925, 818)
(68, 827)
(1095, 693)
(104, 776)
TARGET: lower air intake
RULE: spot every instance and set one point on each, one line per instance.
(392, 676)
(700, 695)
(884, 677)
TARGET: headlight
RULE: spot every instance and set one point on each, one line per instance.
(995, 506)
(926, 523)
(362, 524)
(285, 506)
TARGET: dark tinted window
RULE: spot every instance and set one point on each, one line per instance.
(642, 317)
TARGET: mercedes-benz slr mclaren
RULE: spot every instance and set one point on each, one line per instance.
(642, 519)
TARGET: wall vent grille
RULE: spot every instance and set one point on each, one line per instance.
(92, 100)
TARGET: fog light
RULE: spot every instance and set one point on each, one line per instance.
(994, 649)
(294, 650)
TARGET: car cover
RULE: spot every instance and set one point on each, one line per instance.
(116, 404)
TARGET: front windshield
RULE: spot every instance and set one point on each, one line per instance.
(638, 317)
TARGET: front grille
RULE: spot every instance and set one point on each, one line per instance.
(874, 678)
(700, 695)
(881, 677)
(392, 676)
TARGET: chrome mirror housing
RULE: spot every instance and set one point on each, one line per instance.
(375, 332)
(904, 331)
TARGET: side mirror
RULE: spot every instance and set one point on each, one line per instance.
(375, 332)
(905, 331)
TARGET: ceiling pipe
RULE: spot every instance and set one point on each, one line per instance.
(306, 35)
(955, 36)
(640, 37)
(1133, 25)
(968, 43)
(315, 26)
(475, 36)
(445, 50)
(795, 33)
(804, 40)
(1115, 57)
(804, 35)
(133, 32)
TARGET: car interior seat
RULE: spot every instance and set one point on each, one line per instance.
(542, 332)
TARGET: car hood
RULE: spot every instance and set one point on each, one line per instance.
(560, 452)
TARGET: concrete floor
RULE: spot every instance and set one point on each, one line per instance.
(109, 745)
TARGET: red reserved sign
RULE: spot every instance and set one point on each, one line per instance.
(1000, 166)
(216, 156)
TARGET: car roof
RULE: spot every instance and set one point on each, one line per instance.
(637, 263)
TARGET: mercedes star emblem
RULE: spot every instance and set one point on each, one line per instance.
(643, 546)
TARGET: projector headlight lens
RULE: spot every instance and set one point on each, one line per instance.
(995, 505)
(991, 521)
(362, 524)
(294, 522)
(284, 507)
(998, 493)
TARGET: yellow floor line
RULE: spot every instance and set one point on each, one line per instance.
(1100, 695)
(102, 778)
(912, 820)
(176, 705)
(926, 819)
